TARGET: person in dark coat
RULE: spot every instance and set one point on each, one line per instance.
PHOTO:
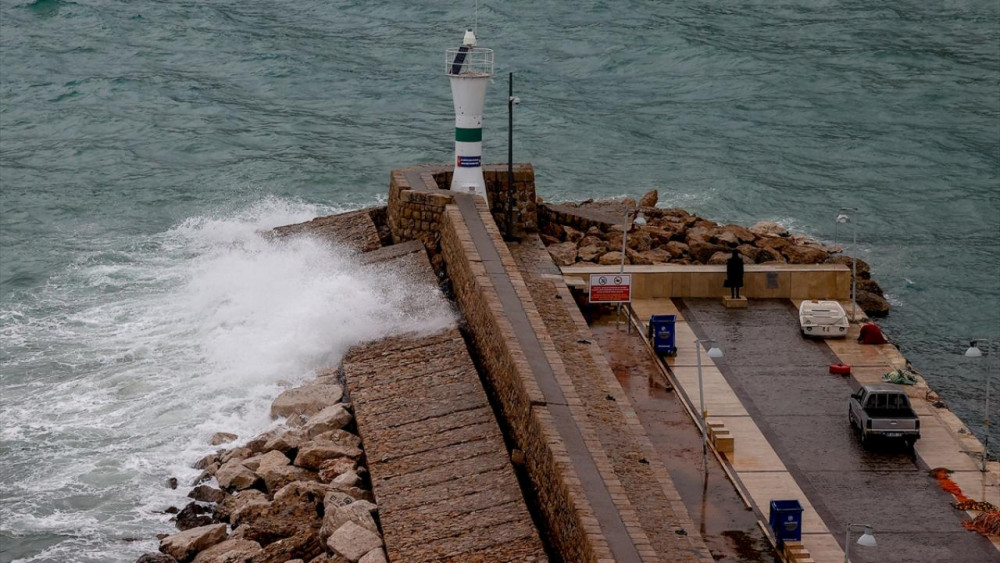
(734, 274)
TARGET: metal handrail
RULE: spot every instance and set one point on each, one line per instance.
(468, 61)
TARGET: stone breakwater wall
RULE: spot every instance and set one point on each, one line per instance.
(559, 496)
(443, 478)
(592, 231)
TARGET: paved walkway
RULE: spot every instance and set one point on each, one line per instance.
(445, 488)
(782, 381)
(761, 473)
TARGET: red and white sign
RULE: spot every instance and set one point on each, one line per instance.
(610, 288)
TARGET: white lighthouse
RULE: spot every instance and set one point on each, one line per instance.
(469, 68)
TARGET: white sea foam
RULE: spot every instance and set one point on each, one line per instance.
(107, 393)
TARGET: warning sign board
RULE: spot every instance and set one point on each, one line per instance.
(610, 288)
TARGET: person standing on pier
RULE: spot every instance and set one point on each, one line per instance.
(734, 274)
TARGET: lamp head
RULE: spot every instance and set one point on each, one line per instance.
(843, 218)
(867, 539)
(714, 352)
(973, 351)
(470, 38)
(640, 218)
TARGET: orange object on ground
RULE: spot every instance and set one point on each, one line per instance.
(987, 523)
(840, 369)
(871, 334)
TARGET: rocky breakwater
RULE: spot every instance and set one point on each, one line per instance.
(297, 492)
(592, 231)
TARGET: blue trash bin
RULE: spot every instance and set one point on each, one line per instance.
(786, 520)
(662, 334)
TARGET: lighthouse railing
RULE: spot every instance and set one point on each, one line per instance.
(469, 61)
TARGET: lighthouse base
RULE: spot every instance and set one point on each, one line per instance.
(469, 181)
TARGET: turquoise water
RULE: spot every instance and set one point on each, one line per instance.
(143, 145)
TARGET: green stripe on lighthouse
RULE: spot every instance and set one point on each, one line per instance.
(463, 135)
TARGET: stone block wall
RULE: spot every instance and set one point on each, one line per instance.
(510, 380)
(414, 213)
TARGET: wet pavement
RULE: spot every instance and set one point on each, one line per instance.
(783, 382)
(728, 527)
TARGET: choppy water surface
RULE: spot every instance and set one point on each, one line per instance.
(143, 144)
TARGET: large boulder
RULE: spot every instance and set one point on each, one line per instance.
(724, 237)
(206, 493)
(306, 400)
(649, 199)
(590, 253)
(676, 248)
(656, 256)
(185, 545)
(872, 304)
(870, 285)
(333, 468)
(234, 476)
(723, 257)
(702, 251)
(304, 545)
(331, 418)
(229, 509)
(636, 258)
(610, 258)
(769, 255)
(563, 254)
(286, 442)
(591, 240)
(296, 508)
(340, 437)
(155, 558)
(572, 235)
(312, 454)
(374, 556)
(639, 240)
(802, 254)
(194, 515)
(277, 476)
(352, 541)
(658, 236)
(743, 235)
(229, 551)
(222, 438)
(864, 270)
(769, 229)
(361, 512)
(775, 243)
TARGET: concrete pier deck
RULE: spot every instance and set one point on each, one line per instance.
(786, 413)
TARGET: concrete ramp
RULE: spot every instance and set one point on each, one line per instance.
(442, 479)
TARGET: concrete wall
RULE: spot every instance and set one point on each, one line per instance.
(786, 281)
(512, 384)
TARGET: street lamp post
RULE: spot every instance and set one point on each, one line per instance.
(867, 539)
(713, 352)
(845, 218)
(975, 352)
(637, 218)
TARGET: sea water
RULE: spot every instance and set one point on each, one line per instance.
(145, 145)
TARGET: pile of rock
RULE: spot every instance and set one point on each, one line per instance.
(295, 493)
(592, 231)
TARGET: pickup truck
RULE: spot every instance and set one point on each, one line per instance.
(883, 411)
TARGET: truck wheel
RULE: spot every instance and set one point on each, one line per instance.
(865, 440)
(909, 442)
